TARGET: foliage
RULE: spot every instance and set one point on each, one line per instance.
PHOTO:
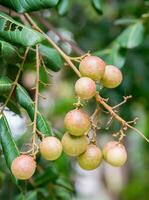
(116, 32)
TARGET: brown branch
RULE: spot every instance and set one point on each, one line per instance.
(116, 116)
(67, 58)
(46, 24)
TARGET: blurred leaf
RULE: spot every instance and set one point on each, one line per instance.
(9, 147)
(63, 193)
(5, 84)
(29, 5)
(27, 103)
(114, 56)
(31, 195)
(64, 182)
(132, 36)
(8, 52)
(15, 32)
(63, 7)
(125, 21)
(50, 174)
(117, 56)
(97, 4)
(51, 57)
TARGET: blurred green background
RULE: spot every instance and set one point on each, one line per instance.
(120, 35)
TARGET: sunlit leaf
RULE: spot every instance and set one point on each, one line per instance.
(15, 32)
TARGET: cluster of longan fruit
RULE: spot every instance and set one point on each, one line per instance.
(77, 123)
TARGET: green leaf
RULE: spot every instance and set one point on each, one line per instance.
(15, 32)
(117, 57)
(132, 36)
(8, 52)
(27, 103)
(97, 4)
(51, 57)
(31, 195)
(63, 7)
(28, 5)
(11, 104)
(50, 174)
(9, 147)
(5, 84)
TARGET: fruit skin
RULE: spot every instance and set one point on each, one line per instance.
(112, 77)
(50, 148)
(85, 88)
(77, 122)
(91, 158)
(74, 146)
(92, 67)
(23, 167)
(115, 153)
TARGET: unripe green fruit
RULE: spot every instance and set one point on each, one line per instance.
(91, 158)
(77, 122)
(92, 67)
(74, 146)
(112, 77)
(23, 167)
(85, 88)
(115, 153)
(50, 148)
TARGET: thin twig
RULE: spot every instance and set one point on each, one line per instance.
(67, 58)
(36, 101)
(74, 47)
(124, 101)
(116, 116)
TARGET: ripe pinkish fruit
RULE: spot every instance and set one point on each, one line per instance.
(23, 167)
(85, 88)
(115, 153)
(112, 77)
(91, 158)
(50, 148)
(77, 122)
(74, 146)
(92, 67)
